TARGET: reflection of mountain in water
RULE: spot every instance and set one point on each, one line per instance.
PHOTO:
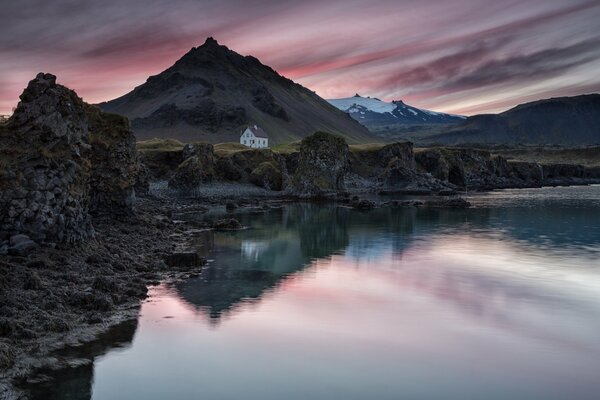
(284, 241)
(250, 262)
(76, 383)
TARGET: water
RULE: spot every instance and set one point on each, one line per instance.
(501, 301)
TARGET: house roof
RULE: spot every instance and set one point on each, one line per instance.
(258, 132)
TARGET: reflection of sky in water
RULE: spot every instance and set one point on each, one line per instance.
(327, 303)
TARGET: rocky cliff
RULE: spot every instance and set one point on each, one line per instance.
(473, 169)
(61, 160)
(322, 165)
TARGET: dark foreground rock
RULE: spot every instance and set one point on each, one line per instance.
(197, 168)
(457, 203)
(61, 160)
(322, 165)
(51, 297)
(474, 169)
(227, 224)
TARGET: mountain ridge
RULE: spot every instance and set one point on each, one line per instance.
(211, 93)
(373, 112)
(566, 121)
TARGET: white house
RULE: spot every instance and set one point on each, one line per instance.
(254, 137)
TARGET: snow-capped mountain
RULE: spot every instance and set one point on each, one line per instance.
(371, 112)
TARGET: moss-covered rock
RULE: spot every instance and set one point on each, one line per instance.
(62, 159)
(262, 167)
(44, 190)
(267, 175)
(115, 163)
(322, 164)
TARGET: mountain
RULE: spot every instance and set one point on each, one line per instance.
(212, 93)
(373, 112)
(566, 121)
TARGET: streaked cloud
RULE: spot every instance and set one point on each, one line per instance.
(462, 56)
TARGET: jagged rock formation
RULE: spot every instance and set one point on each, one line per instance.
(268, 175)
(198, 167)
(61, 159)
(212, 93)
(114, 161)
(390, 168)
(263, 167)
(322, 165)
(480, 170)
(45, 181)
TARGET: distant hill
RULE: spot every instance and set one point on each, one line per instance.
(212, 93)
(373, 112)
(566, 121)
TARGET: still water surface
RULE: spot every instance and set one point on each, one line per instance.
(501, 301)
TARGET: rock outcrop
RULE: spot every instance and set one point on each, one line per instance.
(60, 160)
(44, 187)
(322, 165)
(262, 167)
(114, 160)
(474, 169)
(197, 168)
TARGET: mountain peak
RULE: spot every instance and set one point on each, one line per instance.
(210, 41)
(357, 95)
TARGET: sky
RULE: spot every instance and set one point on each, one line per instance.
(461, 56)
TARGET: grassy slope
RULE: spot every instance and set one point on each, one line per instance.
(588, 156)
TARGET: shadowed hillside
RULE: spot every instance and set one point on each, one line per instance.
(212, 93)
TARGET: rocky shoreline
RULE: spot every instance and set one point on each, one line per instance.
(88, 221)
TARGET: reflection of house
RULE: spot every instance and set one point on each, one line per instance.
(252, 249)
(4, 118)
(254, 137)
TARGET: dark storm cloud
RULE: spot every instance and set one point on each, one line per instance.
(435, 52)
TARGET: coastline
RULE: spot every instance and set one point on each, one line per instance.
(158, 228)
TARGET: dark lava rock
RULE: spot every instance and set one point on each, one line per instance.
(267, 175)
(198, 167)
(62, 159)
(228, 224)
(184, 259)
(449, 203)
(45, 184)
(7, 356)
(261, 167)
(114, 161)
(230, 206)
(364, 204)
(322, 164)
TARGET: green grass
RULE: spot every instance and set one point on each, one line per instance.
(587, 156)
(356, 148)
(225, 149)
(160, 145)
(287, 148)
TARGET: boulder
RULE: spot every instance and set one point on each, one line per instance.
(227, 224)
(196, 169)
(457, 203)
(363, 204)
(267, 175)
(323, 161)
(261, 167)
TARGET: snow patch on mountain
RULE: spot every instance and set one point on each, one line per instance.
(372, 111)
(350, 104)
